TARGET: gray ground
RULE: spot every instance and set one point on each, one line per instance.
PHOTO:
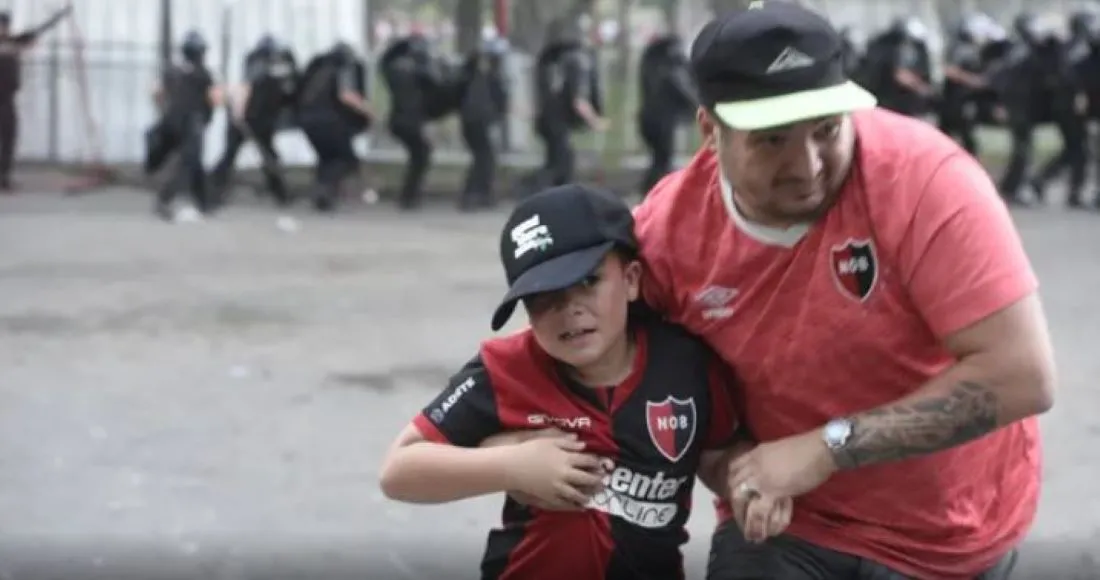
(213, 400)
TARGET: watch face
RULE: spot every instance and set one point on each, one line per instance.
(837, 432)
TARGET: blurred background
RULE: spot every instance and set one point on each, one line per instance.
(86, 88)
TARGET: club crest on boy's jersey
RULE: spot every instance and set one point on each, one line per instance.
(671, 426)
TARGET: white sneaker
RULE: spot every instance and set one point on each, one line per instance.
(187, 215)
(288, 224)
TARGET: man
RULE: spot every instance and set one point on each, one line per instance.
(332, 110)
(484, 104)
(901, 71)
(568, 100)
(1036, 84)
(268, 92)
(411, 73)
(186, 97)
(1088, 71)
(667, 100)
(859, 272)
(12, 47)
(963, 79)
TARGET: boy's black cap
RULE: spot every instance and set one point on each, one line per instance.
(557, 237)
(773, 63)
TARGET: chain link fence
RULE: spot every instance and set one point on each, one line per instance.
(86, 88)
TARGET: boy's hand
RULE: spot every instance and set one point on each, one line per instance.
(761, 517)
(553, 473)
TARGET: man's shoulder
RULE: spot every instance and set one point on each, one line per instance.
(671, 340)
(898, 155)
(676, 200)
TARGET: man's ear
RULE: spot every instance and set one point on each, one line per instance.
(707, 127)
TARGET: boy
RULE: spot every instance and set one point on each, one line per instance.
(648, 405)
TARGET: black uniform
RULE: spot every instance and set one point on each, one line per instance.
(11, 76)
(330, 124)
(187, 111)
(414, 77)
(484, 103)
(1088, 72)
(272, 74)
(565, 71)
(668, 98)
(908, 50)
(957, 109)
(1036, 85)
(1062, 62)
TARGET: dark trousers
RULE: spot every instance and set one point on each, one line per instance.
(331, 139)
(1020, 130)
(954, 123)
(188, 172)
(479, 177)
(559, 163)
(264, 136)
(1073, 156)
(9, 133)
(660, 137)
(788, 558)
(411, 135)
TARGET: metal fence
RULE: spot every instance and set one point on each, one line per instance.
(85, 96)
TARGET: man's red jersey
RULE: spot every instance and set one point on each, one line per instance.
(850, 314)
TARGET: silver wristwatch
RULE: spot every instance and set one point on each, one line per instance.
(836, 434)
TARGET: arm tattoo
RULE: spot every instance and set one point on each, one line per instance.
(966, 412)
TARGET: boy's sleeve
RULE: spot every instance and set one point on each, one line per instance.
(465, 413)
(723, 416)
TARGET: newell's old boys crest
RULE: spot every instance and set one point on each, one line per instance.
(671, 426)
(855, 268)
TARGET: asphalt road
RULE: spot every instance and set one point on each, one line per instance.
(213, 400)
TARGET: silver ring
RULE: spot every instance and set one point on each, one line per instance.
(747, 490)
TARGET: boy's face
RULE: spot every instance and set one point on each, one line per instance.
(579, 325)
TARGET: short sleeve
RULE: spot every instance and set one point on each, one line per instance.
(962, 258)
(253, 69)
(723, 416)
(348, 79)
(465, 413)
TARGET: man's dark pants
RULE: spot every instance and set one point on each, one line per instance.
(331, 138)
(788, 558)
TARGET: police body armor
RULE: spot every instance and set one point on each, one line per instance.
(564, 73)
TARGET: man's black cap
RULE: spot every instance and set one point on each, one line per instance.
(557, 237)
(773, 63)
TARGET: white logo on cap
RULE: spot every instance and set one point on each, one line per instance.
(531, 235)
(790, 59)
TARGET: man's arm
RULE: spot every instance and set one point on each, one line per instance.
(968, 274)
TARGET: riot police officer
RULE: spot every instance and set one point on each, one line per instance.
(963, 80)
(12, 47)
(412, 74)
(1088, 72)
(1068, 106)
(907, 83)
(484, 103)
(1036, 85)
(567, 99)
(187, 96)
(667, 99)
(332, 110)
(271, 77)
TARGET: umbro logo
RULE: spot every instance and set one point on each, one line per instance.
(791, 58)
(715, 301)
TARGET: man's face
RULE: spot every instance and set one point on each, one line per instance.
(786, 175)
(581, 324)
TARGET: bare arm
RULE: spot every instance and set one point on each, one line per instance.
(420, 471)
(962, 76)
(1005, 373)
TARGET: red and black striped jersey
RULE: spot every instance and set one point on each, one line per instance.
(653, 427)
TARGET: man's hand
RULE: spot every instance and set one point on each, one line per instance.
(786, 468)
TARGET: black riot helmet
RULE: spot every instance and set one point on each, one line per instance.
(268, 44)
(1081, 24)
(193, 47)
(343, 53)
(1024, 25)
